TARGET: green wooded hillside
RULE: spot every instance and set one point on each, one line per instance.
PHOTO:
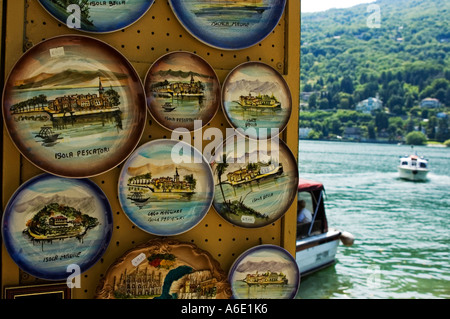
(349, 55)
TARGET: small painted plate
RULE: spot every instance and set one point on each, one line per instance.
(98, 16)
(229, 24)
(255, 181)
(264, 272)
(164, 268)
(166, 187)
(182, 91)
(52, 222)
(256, 100)
(74, 106)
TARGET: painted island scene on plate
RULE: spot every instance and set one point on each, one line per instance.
(264, 272)
(74, 106)
(52, 222)
(99, 16)
(166, 187)
(257, 100)
(229, 24)
(255, 181)
(165, 269)
(182, 88)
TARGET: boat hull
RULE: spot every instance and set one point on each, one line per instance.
(317, 252)
(411, 174)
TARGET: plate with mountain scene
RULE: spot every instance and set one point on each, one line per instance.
(182, 91)
(256, 100)
(264, 272)
(74, 106)
(51, 223)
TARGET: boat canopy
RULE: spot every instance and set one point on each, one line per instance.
(305, 185)
(319, 223)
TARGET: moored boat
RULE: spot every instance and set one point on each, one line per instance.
(413, 168)
(316, 243)
(138, 197)
(47, 135)
(168, 107)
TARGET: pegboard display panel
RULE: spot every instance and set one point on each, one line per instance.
(155, 34)
(159, 32)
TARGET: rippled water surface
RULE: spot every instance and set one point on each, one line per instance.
(402, 246)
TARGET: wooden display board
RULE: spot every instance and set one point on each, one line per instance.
(158, 32)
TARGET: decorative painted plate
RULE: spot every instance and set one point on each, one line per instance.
(74, 106)
(229, 24)
(97, 16)
(256, 100)
(166, 187)
(52, 222)
(264, 272)
(182, 88)
(165, 268)
(255, 181)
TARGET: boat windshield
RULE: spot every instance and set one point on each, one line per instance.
(313, 225)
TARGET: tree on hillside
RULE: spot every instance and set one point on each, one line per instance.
(416, 138)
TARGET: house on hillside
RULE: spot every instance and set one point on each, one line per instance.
(303, 132)
(306, 95)
(369, 105)
(352, 133)
(430, 103)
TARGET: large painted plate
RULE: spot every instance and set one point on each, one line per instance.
(256, 100)
(52, 222)
(166, 187)
(97, 16)
(165, 268)
(182, 91)
(74, 106)
(264, 272)
(229, 24)
(255, 181)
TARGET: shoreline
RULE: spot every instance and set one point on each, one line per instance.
(437, 145)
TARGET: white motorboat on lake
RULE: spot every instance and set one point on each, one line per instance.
(413, 168)
(316, 244)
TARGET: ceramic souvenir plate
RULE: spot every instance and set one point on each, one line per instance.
(74, 106)
(257, 100)
(52, 222)
(229, 24)
(182, 88)
(99, 16)
(255, 181)
(166, 187)
(165, 269)
(264, 272)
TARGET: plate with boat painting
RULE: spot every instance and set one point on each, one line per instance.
(74, 106)
(256, 100)
(182, 91)
(229, 24)
(52, 222)
(97, 16)
(166, 187)
(264, 272)
(255, 181)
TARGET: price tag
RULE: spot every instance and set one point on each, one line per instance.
(248, 219)
(136, 261)
(56, 52)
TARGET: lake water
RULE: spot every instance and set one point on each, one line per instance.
(401, 228)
